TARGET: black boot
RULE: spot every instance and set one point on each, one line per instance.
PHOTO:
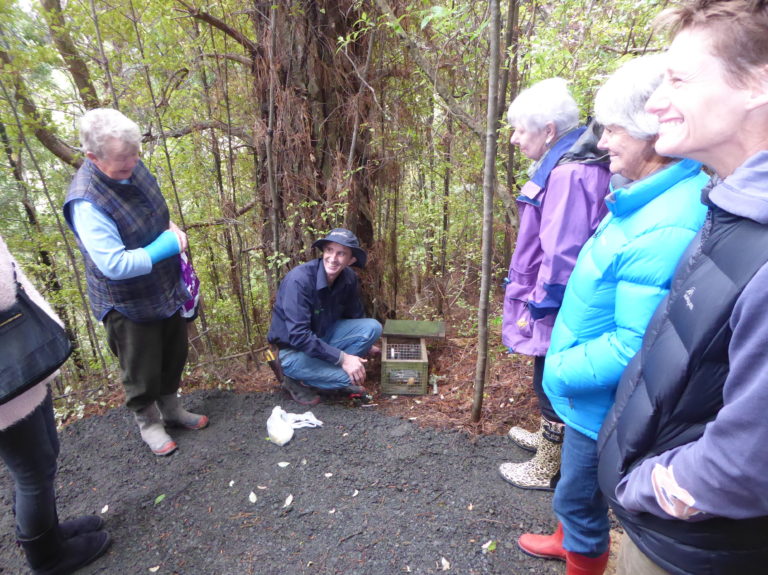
(78, 525)
(50, 554)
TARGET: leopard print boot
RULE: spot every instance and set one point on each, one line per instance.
(528, 440)
(543, 470)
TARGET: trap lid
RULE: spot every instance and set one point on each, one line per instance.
(414, 328)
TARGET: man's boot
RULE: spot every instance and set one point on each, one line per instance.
(544, 546)
(175, 415)
(543, 470)
(528, 440)
(300, 393)
(152, 430)
(50, 554)
(576, 564)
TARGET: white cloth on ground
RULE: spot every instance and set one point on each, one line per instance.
(280, 424)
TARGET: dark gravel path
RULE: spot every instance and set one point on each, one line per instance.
(371, 495)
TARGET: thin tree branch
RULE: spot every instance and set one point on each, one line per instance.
(240, 133)
(50, 140)
(66, 47)
(253, 48)
(440, 87)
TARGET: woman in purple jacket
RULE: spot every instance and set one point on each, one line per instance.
(559, 207)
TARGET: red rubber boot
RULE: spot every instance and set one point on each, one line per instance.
(576, 564)
(544, 546)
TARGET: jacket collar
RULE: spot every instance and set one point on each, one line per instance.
(632, 196)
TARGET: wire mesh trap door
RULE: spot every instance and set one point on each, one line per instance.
(404, 366)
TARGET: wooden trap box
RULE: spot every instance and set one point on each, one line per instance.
(404, 362)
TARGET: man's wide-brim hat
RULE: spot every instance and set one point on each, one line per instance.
(345, 238)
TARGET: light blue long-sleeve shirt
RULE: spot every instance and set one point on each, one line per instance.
(100, 236)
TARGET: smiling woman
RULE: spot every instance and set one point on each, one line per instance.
(700, 106)
(682, 453)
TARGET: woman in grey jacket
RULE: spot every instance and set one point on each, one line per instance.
(29, 447)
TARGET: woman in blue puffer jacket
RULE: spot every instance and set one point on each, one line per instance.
(621, 275)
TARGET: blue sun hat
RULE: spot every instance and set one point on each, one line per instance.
(345, 238)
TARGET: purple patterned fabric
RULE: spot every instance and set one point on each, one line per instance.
(190, 279)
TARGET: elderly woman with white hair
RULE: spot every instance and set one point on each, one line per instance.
(559, 207)
(132, 266)
(621, 275)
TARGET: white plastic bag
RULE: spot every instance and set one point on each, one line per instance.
(279, 429)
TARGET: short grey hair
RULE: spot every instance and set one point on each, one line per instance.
(544, 102)
(621, 100)
(101, 124)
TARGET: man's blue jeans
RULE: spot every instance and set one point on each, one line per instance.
(353, 336)
(579, 504)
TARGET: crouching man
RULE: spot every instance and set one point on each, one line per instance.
(318, 323)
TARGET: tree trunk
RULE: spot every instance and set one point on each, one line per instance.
(489, 183)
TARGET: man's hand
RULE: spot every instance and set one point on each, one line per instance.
(180, 235)
(354, 367)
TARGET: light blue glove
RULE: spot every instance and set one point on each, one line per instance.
(164, 246)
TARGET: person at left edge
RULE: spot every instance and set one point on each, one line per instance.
(131, 251)
(29, 448)
(318, 323)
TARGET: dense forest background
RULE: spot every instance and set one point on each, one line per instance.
(268, 124)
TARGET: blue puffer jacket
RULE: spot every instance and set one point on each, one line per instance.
(621, 275)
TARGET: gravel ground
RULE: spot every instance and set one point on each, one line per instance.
(366, 494)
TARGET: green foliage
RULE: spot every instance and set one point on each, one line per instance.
(202, 99)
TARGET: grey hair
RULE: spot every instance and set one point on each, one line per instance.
(544, 102)
(621, 100)
(101, 124)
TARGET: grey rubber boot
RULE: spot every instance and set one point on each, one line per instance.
(175, 415)
(152, 431)
(528, 440)
(543, 470)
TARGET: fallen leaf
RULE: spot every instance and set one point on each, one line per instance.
(159, 498)
(445, 564)
(288, 501)
(283, 464)
(489, 546)
(252, 497)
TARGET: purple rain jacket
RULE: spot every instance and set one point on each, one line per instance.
(560, 207)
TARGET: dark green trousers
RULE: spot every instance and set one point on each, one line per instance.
(151, 355)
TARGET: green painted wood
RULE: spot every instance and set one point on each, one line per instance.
(414, 328)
